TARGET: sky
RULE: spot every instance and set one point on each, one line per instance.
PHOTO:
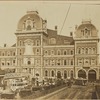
(53, 11)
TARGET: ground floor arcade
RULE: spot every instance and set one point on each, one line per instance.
(91, 74)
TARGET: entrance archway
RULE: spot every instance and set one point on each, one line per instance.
(82, 74)
(92, 75)
(58, 74)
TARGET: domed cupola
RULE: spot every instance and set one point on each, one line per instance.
(31, 21)
(86, 30)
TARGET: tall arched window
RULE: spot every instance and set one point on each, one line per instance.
(37, 42)
(86, 50)
(65, 62)
(46, 52)
(20, 52)
(82, 50)
(52, 52)
(37, 51)
(94, 50)
(3, 63)
(46, 73)
(58, 52)
(20, 43)
(52, 73)
(3, 54)
(65, 52)
(71, 52)
(71, 62)
(58, 62)
(79, 51)
(52, 62)
(13, 53)
(29, 62)
(29, 27)
(90, 50)
(8, 53)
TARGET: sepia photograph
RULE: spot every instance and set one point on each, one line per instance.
(49, 50)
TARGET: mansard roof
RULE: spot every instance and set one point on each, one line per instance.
(59, 38)
(14, 45)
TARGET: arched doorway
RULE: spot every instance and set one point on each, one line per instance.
(82, 73)
(58, 74)
(92, 75)
(65, 74)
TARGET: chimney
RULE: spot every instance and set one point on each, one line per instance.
(5, 45)
(71, 34)
(55, 28)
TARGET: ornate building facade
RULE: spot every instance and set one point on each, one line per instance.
(41, 52)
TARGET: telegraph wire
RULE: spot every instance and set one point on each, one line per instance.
(65, 18)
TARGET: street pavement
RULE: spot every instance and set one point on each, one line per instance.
(75, 92)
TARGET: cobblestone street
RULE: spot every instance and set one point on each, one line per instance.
(75, 92)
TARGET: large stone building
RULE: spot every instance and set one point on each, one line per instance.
(41, 52)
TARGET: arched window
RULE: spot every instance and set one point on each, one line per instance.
(80, 61)
(71, 62)
(90, 50)
(65, 52)
(29, 27)
(3, 54)
(52, 73)
(82, 50)
(29, 62)
(8, 53)
(52, 62)
(20, 52)
(46, 52)
(65, 62)
(86, 50)
(79, 51)
(13, 53)
(52, 52)
(8, 63)
(58, 62)
(37, 42)
(46, 62)
(2, 63)
(20, 43)
(37, 51)
(46, 73)
(71, 52)
(58, 52)
(13, 61)
(94, 50)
